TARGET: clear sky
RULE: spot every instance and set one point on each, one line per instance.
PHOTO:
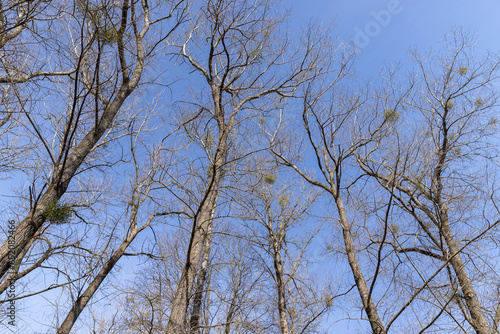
(410, 23)
(384, 30)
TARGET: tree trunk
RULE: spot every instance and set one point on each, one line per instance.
(280, 286)
(177, 323)
(66, 169)
(477, 317)
(194, 322)
(34, 220)
(83, 299)
(368, 305)
(202, 225)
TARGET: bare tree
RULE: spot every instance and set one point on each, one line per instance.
(334, 129)
(23, 68)
(274, 210)
(142, 186)
(98, 91)
(440, 171)
(244, 70)
(15, 16)
(147, 298)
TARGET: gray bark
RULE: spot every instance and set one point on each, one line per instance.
(477, 316)
(280, 286)
(201, 226)
(65, 171)
(84, 298)
(194, 322)
(371, 310)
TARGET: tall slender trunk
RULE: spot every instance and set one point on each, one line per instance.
(280, 286)
(477, 316)
(34, 220)
(84, 298)
(202, 224)
(368, 305)
(194, 322)
(177, 323)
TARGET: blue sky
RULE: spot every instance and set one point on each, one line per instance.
(411, 23)
(420, 23)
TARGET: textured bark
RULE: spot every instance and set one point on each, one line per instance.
(67, 168)
(194, 322)
(200, 238)
(371, 310)
(84, 298)
(235, 80)
(496, 320)
(35, 218)
(368, 306)
(280, 286)
(178, 316)
(202, 224)
(8, 33)
(477, 316)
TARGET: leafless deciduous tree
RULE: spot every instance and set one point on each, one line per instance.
(107, 45)
(24, 64)
(274, 211)
(440, 164)
(143, 184)
(218, 198)
(334, 130)
(234, 46)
